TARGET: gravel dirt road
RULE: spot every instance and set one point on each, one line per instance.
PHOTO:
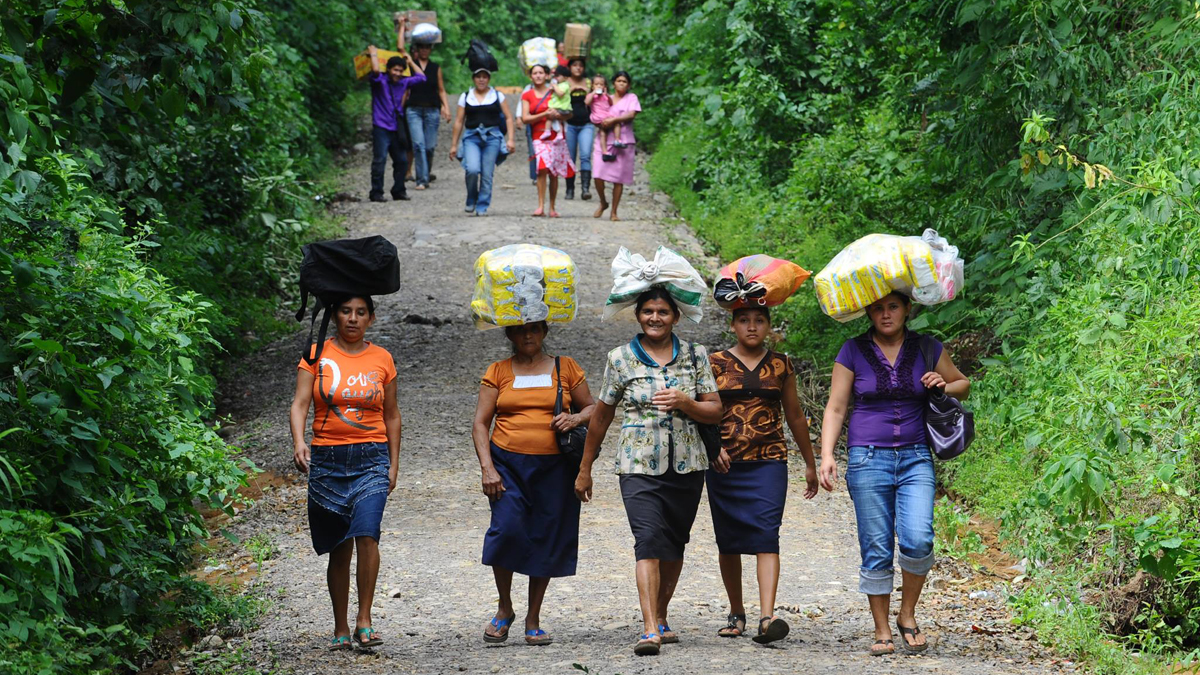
(434, 596)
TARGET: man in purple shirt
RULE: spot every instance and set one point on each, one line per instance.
(389, 133)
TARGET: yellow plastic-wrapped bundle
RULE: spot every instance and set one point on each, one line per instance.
(869, 269)
(523, 283)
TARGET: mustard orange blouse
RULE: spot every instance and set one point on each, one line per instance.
(525, 405)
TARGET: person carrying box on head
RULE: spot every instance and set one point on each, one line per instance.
(389, 133)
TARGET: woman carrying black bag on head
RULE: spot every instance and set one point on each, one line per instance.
(535, 517)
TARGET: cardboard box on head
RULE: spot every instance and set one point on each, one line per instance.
(362, 62)
(416, 16)
(577, 41)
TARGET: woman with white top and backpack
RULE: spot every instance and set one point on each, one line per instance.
(484, 125)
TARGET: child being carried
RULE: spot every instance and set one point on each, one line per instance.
(560, 100)
(601, 104)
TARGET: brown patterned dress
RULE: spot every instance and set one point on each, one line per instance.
(752, 427)
(747, 502)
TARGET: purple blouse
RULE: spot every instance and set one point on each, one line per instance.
(889, 400)
(387, 98)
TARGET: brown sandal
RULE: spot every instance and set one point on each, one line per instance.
(889, 647)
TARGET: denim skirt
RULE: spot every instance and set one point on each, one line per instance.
(535, 521)
(747, 506)
(347, 490)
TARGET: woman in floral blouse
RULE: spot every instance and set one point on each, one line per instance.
(668, 387)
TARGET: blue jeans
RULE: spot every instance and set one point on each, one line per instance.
(423, 128)
(892, 489)
(480, 149)
(532, 159)
(385, 142)
(581, 137)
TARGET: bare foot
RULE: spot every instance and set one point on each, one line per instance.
(600, 211)
(614, 217)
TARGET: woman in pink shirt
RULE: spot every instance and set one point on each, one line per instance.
(617, 128)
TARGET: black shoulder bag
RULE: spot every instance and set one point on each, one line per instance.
(570, 443)
(710, 434)
(950, 427)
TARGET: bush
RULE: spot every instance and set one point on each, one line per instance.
(1053, 142)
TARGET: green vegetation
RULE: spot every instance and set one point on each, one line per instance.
(1055, 143)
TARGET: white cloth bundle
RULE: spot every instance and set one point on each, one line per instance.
(425, 34)
(633, 275)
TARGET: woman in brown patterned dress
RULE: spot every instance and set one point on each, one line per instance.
(758, 388)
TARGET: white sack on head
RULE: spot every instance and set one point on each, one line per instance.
(633, 275)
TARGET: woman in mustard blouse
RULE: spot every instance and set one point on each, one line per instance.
(535, 515)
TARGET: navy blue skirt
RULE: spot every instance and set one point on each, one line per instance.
(535, 522)
(347, 490)
(747, 506)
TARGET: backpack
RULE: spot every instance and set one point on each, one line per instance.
(479, 56)
(332, 270)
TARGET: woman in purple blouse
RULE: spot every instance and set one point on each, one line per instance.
(890, 468)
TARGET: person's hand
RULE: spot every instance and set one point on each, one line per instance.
(392, 472)
(565, 421)
(932, 380)
(667, 400)
(301, 457)
(810, 478)
(492, 485)
(454, 153)
(512, 147)
(722, 462)
(829, 473)
(445, 114)
(583, 486)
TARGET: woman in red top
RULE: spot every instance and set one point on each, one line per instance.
(552, 157)
(352, 463)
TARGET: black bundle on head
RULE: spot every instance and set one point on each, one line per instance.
(657, 293)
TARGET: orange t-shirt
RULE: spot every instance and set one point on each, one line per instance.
(525, 406)
(348, 393)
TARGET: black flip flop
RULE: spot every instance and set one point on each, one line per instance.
(881, 652)
(913, 632)
(734, 620)
(777, 629)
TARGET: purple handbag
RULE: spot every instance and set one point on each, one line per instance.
(950, 427)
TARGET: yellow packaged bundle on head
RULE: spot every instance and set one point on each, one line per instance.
(869, 269)
(523, 283)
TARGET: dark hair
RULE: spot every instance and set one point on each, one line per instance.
(544, 67)
(621, 73)
(766, 312)
(337, 305)
(508, 331)
(656, 293)
(571, 61)
(395, 61)
(562, 71)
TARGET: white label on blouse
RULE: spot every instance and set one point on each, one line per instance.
(532, 381)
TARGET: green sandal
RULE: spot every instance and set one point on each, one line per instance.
(338, 644)
(372, 638)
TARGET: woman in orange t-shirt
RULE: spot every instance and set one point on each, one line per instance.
(535, 515)
(352, 464)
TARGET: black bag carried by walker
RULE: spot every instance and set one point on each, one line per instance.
(333, 270)
(479, 56)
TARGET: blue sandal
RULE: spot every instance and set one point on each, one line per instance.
(499, 624)
(668, 636)
(372, 638)
(647, 644)
(338, 644)
(537, 637)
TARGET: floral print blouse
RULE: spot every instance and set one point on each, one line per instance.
(651, 441)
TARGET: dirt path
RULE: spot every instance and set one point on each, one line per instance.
(434, 595)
